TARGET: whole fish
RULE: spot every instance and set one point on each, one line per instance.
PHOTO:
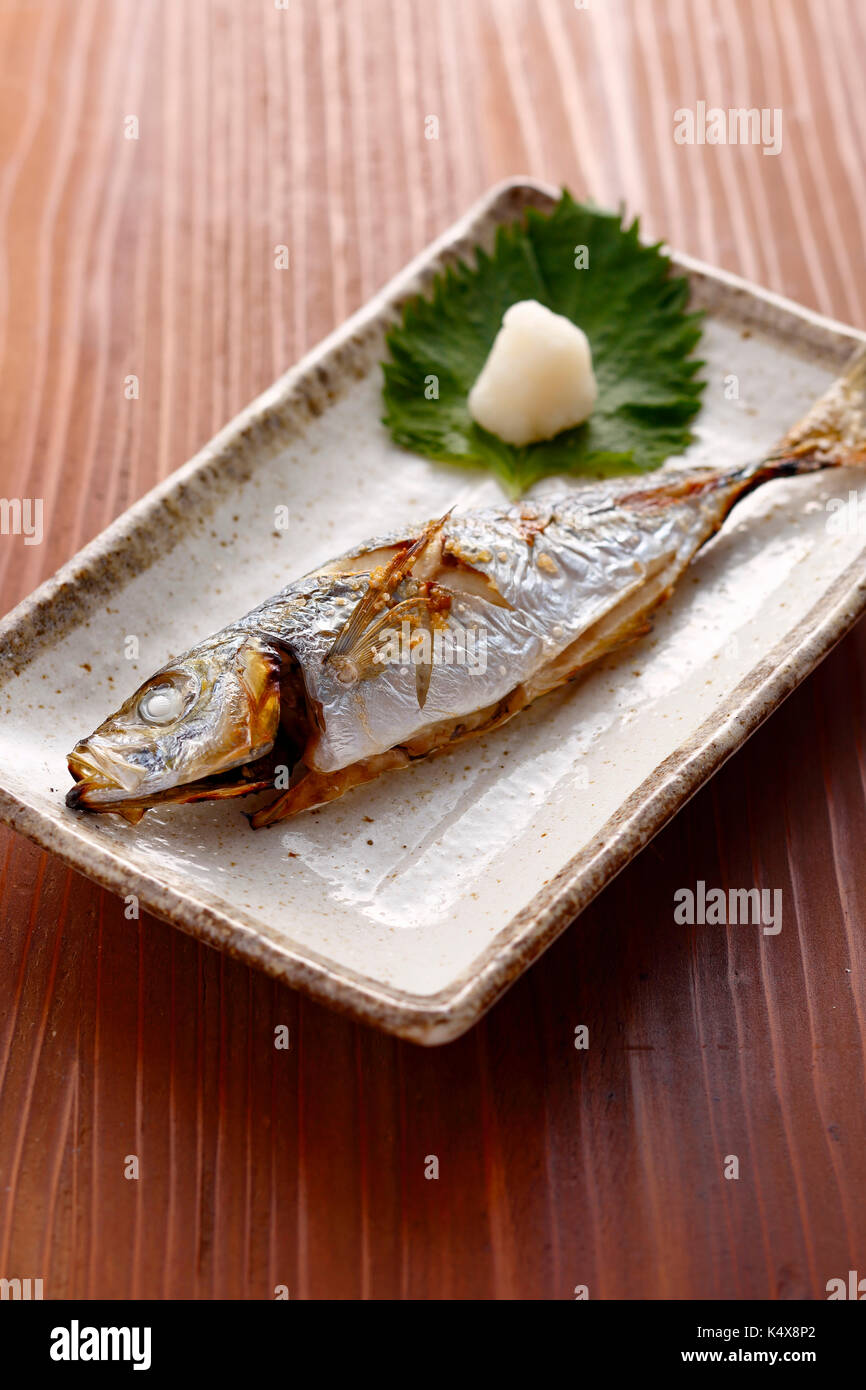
(421, 638)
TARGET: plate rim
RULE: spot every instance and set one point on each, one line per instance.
(447, 1014)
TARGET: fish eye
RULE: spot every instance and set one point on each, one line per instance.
(162, 704)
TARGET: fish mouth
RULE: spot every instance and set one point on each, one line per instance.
(97, 790)
(97, 771)
(77, 796)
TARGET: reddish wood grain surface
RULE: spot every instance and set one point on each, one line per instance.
(305, 126)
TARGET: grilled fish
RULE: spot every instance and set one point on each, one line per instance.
(424, 637)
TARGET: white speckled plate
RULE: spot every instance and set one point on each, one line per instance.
(414, 902)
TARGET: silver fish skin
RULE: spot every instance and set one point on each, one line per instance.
(553, 570)
(356, 668)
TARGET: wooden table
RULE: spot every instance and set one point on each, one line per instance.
(259, 126)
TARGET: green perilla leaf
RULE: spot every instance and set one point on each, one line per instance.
(626, 301)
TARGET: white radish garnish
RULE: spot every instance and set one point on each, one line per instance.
(538, 378)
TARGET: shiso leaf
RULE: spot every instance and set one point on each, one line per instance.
(626, 301)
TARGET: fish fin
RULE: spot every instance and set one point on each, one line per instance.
(832, 433)
(133, 814)
(382, 586)
(369, 607)
(423, 660)
(423, 672)
(363, 660)
(316, 788)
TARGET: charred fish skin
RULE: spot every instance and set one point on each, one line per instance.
(356, 668)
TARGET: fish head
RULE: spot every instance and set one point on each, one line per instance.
(213, 710)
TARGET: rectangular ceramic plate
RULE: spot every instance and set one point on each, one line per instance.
(414, 902)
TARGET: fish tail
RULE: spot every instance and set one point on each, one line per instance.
(832, 434)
